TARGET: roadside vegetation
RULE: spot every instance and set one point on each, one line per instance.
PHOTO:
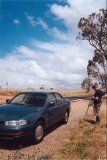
(86, 141)
(20, 156)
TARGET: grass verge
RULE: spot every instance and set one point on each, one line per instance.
(21, 156)
(87, 141)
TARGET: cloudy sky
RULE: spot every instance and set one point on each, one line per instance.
(38, 43)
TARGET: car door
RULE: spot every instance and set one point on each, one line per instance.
(61, 106)
(52, 111)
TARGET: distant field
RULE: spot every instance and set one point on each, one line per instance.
(74, 92)
(9, 93)
(64, 92)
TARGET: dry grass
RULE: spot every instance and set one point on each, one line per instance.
(20, 156)
(5, 94)
(105, 100)
(3, 98)
(8, 94)
(86, 141)
(64, 92)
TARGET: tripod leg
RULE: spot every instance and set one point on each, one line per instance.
(87, 109)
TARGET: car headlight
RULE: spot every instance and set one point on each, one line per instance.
(16, 123)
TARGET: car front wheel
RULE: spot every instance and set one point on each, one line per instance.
(39, 132)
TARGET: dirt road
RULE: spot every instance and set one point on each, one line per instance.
(54, 139)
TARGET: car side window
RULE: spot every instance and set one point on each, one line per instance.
(51, 98)
(59, 98)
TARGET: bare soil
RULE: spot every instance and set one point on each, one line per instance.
(55, 138)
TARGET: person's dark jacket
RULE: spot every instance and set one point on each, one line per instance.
(98, 94)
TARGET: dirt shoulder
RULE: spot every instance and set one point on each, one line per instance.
(55, 138)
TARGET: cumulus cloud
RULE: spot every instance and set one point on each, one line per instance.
(61, 65)
(16, 21)
(72, 11)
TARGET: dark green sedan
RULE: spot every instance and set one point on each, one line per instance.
(29, 114)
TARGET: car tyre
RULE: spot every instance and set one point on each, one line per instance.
(39, 132)
(66, 117)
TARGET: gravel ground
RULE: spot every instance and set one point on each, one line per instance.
(54, 139)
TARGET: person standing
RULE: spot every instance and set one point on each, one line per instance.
(97, 98)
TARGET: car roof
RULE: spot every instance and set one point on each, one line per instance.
(40, 92)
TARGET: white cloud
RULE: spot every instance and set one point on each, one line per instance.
(26, 51)
(16, 21)
(52, 64)
(74, 10)
(54, 32)
(36, 21)
(42, 23)
(31, 19)
(57, 34)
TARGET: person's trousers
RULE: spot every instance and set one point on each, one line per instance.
(97, 111)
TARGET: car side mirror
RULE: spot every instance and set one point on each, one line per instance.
(51, 104)
(7, 100)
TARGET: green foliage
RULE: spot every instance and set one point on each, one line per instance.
(81, 148)
(45, 157)
(86, 84)
(93, 29)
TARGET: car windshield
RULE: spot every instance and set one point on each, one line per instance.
(35, 99)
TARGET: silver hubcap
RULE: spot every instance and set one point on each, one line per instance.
(39, 132)
(66, 117)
